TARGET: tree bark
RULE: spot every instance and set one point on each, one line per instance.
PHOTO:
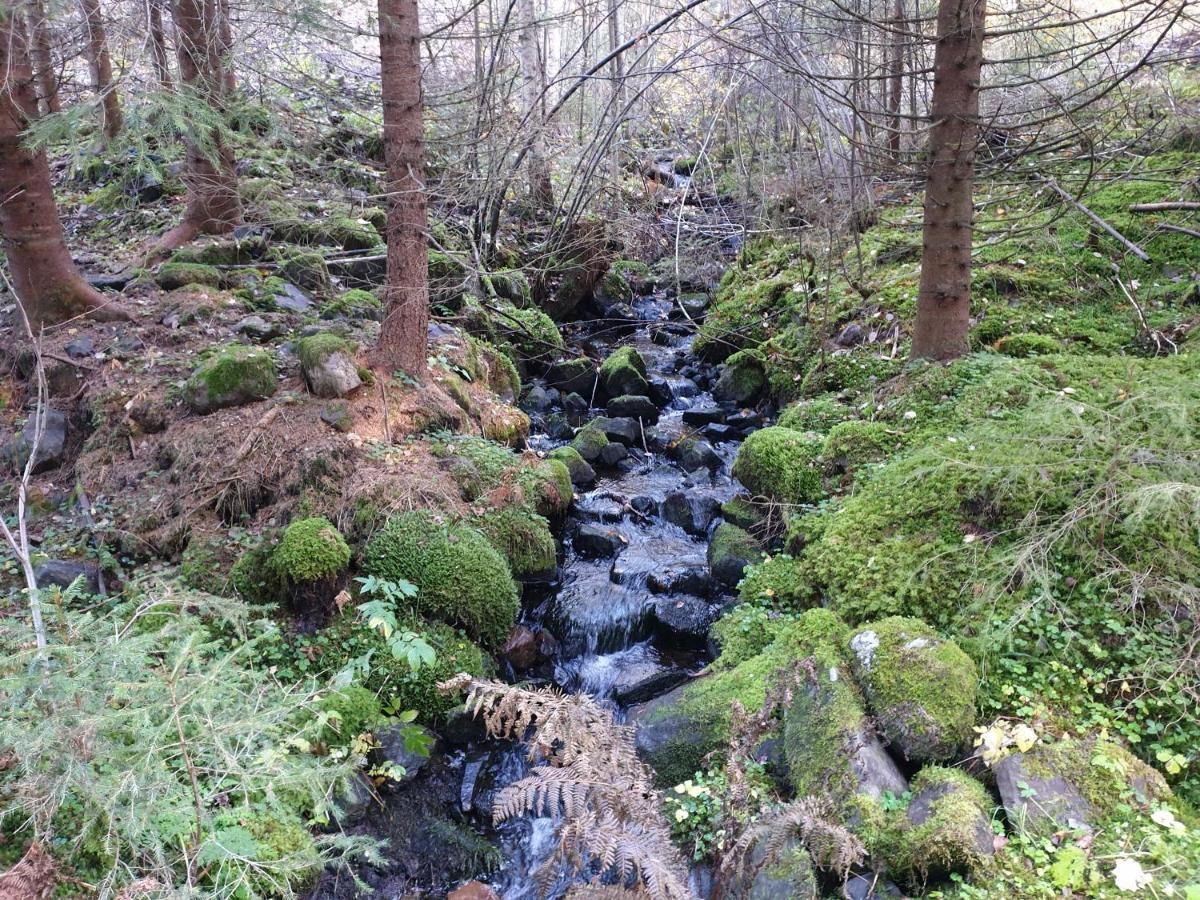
(541, 193)
(43, 61)
(225, 32)
(944, 298)
(48, 286)
(617, 102)
(158, 45)
(100, 64)
(895, 85)
(213, 204)
(403, 338)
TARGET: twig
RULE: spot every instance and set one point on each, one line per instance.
(1164, 206)
(1124, 241)
(1180, 229)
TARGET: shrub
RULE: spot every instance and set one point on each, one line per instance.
(781, 464)
(348, 711)
(460, 578)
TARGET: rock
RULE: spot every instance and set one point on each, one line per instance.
(463, 728)
(473, 890)
(256, 328)
(576, 376)
(681, 579)
(870, 887)
(406, 745)
(292, 299)
(920, 688)
(698, 416)
(307, 271)
(337, 416)
(644, 504)
(684, 620)
(582, 474)
(598, 541)
(601, 508)
(63, 572)
(632, 408)
(148, 416)
(328, 365)
(742, 380)
(575, 408)
(1038, 799)
(469, 789)
(851, 336)
(787, 874)
(693, 305)
(730, 551)
(719, 432)
(624, 373)
(589, 442)
(638, 685)
(233, 376)
(81, 347)
(627, 431)
(51, 448)
(537, 399)
(947, 829)
(613, 453)
(691, 513)
(694, 453)
(524, 648)
(355, 801)
(660, 391)
(744, 420)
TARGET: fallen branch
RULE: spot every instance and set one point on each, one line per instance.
(1124, 241)
(1164, 206)
(1180, 229)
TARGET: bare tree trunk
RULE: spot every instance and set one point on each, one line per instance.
(944, 299)
(403, 339)
(100, 64)
(43, 62)
(225, 31)
(895, 83)
(541, 193)
(213, 204)
(617, 102)
(158, 45)
(47, 284)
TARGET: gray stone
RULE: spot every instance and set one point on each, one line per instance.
(293, 299)
(627, 431)
(740, 382)
(51, 449)
(684, 620)
(573, 376)
(355, 801)
(691, 513)
(681, 579)
(82, 347)
(406, 745)
(537, 399)
(693, 454)
(333, 375)
(63, 572)
(703, 415)
(598, 541)
(633, 407)
(613, 453)
(337, 416)
(256, 328)
(1032, 797)
(852, 335)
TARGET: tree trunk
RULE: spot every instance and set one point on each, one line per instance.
(100, 64)
(403, 338)
(944, 299)
(43, 62)
(48, 286)
(895, 85)
(225, 31)
(541, 193)
(213, 204)
(617, 102)
(158, 45)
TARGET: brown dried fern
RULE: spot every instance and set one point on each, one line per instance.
(590, 774)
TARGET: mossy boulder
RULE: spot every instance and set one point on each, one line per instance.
(172, 275)
(308, 272)
(349, 233)
(548, 487)
(524, 538)
(615, 287)
(1028, 344)
(255, 579)
(781, 464)
(576, 375)
(505, 425)
(589, 442)
(353, 304)
(232, 376)
(743, 512)
(460, 577)
(510, 284)
(624, 372)
(730, 551)
(920, 687)
(781, 582)
(328, 365)
(819, 415)
(850, 445)
(531, 333)
(582, 474)
(945, 831)
(741, 380)
(311, 550)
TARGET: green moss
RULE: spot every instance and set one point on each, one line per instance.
(173, 275)
(510, 284)
(460, 578)
(417, 689)
(852, 373)
(354, 302)
(728, 547)
(818, 415)
(615, 286)
(780, 464)
(311, 550)
(314, 349)
(350, 711)
(308, 272)
(850, 445)
(522, 536)
(1023, 345)
(548, 485)
(624, 373)
(954, 839)
(745, 631)
(349, 233)
(743, 512)
(779, 581)
(444, 267)
(201, 567)
(589, 441)
(255, 579)
(921, 688)
(284, 851)
(570, 458)
(476, 464)
(742, 379)
(531, 332)
(232, 375)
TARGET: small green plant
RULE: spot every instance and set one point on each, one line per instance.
(380, 615)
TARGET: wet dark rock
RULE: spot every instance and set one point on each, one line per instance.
(741, 381)
(867, 887)
(573, 376)
(684, 620)
(640, 684)
(537, 399)
(601, 509)
(1034, 795)
(730, 551)
(526, 648)
(439, 331)
(405, 745)
(693, 454)
(598, 541)
(660, 391)
(81, 347)
(463, 728)
(691, 513)
(682, 579)
(632, 407)
(468, 791)
(699, 416)
(719, 432)
(51, 450)
(293, 299)
(355, 801)
(627, 431)
(852, 335)
(684, 388)
(745, 420)
(786, 874)
(256, 328)
(575, 408)
(63, 572)
(693, 305)
(613, 453)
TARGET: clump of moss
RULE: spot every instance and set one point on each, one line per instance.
(314, 349)
(588, 442)
(460, 578)
(744, 513)
(850, 445)
(549, 486)
(281, 844)
(945, 832)
(820, 415)
(173, 275)
(255, 579)
(730, 550)
(853, 373)
(742, 379)
(779, 581)
(349, 233)
(745, 631)
(510, 284)
(615, 286)
(1027, 344)
(350, 711)
(355, 303)
(311, 550)
(920, 687)
(233, 375)
(624, 373)
(308, 272)
(523, 537)
(577, 466)
(506, 425)
(531, 332)
(780, 464)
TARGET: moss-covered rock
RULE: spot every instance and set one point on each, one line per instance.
(779, 581)
(523, 537)
(582, 474)
(510, 284)
(172, 275)
(1028, 344)
(852, 444)
(745, 631)
(328, 365)
(460, 578)
(624, 372)
(744, 513)
(548, 487)
(589, 442)
(921, 688)
(730, 551)
(311, 550)
(416, 689)
(255, 579)
(742, 379)
(615, 286)
(531, 332)
(780, 464)
(349, 233)
(945, 831)
(308, 272)
(354, 304)
(819, 415)
(505, 425)
(232, 376)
